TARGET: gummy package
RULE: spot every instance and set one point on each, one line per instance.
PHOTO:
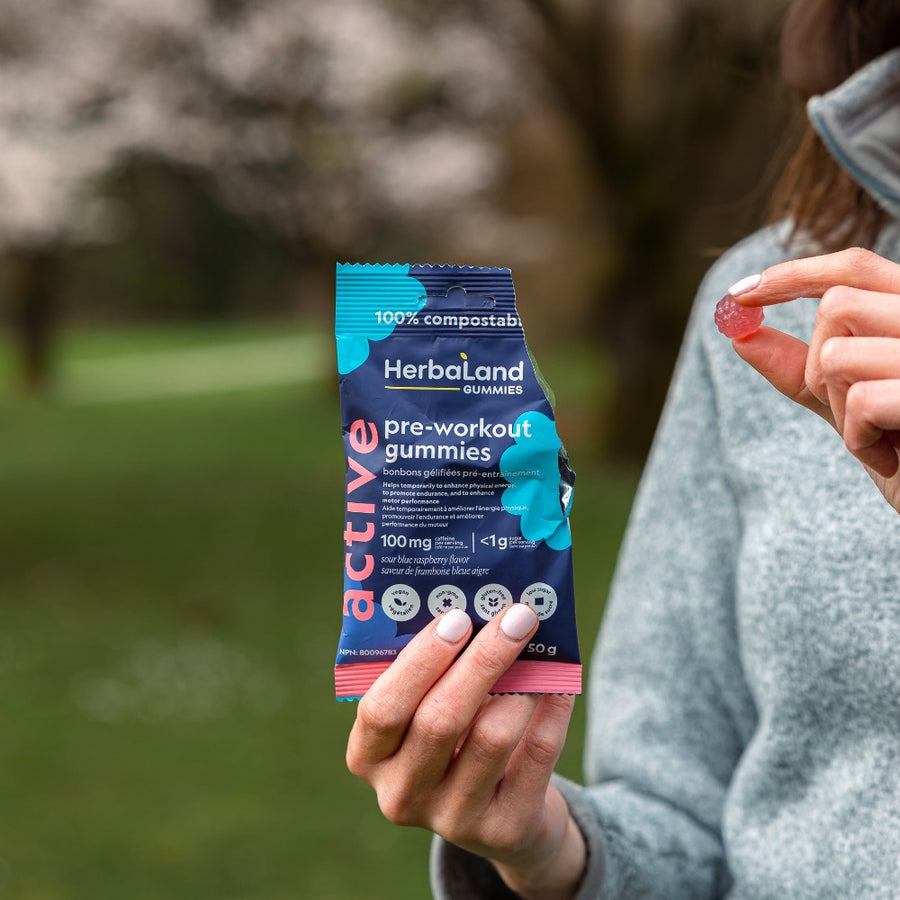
(458, 488)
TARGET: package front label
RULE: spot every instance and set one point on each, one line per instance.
(458, 488)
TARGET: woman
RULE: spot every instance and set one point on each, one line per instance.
(745, 692)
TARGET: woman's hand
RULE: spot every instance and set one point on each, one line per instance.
(850, 372)
(444, 755)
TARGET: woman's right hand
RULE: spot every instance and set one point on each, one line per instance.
(443, 754)
(850, 372)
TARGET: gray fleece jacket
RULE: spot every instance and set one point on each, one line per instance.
(744, 736)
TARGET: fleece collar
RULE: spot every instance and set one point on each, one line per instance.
(859, 121)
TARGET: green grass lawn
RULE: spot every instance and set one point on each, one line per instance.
(169, 612)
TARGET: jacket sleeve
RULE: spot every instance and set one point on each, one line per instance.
(670, 712)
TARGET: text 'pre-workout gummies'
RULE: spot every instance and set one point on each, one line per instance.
(458, 488)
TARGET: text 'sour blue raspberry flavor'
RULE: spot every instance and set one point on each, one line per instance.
(458, 488)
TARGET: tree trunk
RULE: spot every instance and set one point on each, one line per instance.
(34, 290)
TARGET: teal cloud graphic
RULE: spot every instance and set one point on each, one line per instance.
(369, 299)
(531, 466)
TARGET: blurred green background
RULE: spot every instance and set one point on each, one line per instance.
(177, 181)
(171, 607)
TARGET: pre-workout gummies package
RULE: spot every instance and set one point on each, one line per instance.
(458, 488)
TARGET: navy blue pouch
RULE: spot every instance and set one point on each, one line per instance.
(458, 488)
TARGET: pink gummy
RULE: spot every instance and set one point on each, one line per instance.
(736, 321)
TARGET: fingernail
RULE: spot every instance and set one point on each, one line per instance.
(744, 285)
(452, 626)
(518, 621)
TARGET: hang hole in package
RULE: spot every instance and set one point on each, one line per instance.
(458, 488)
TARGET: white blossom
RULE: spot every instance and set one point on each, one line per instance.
(288, 104)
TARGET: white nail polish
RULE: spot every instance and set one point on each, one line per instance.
(452, 626)
(744, 285)
(518, 621)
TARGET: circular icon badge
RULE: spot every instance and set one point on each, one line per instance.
(541, 598)
(445, 597)
(400, 602)
(490, 599)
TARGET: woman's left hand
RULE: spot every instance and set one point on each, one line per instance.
(849, 374)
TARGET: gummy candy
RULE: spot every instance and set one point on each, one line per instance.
(736, 321)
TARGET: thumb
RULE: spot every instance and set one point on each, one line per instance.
(781, 360)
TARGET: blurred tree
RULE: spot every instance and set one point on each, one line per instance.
(382, 128)
(330, 126)
(33, 281)
(657, 93)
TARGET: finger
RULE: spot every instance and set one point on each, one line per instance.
(846, 360)
(814, 275)
(481, 763)
(849, 312)
(450, 707)
(781, 360)
(385, 712)
(870, 424)
(532, 764)
(511, 804)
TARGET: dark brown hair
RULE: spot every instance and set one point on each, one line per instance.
(823, 42)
